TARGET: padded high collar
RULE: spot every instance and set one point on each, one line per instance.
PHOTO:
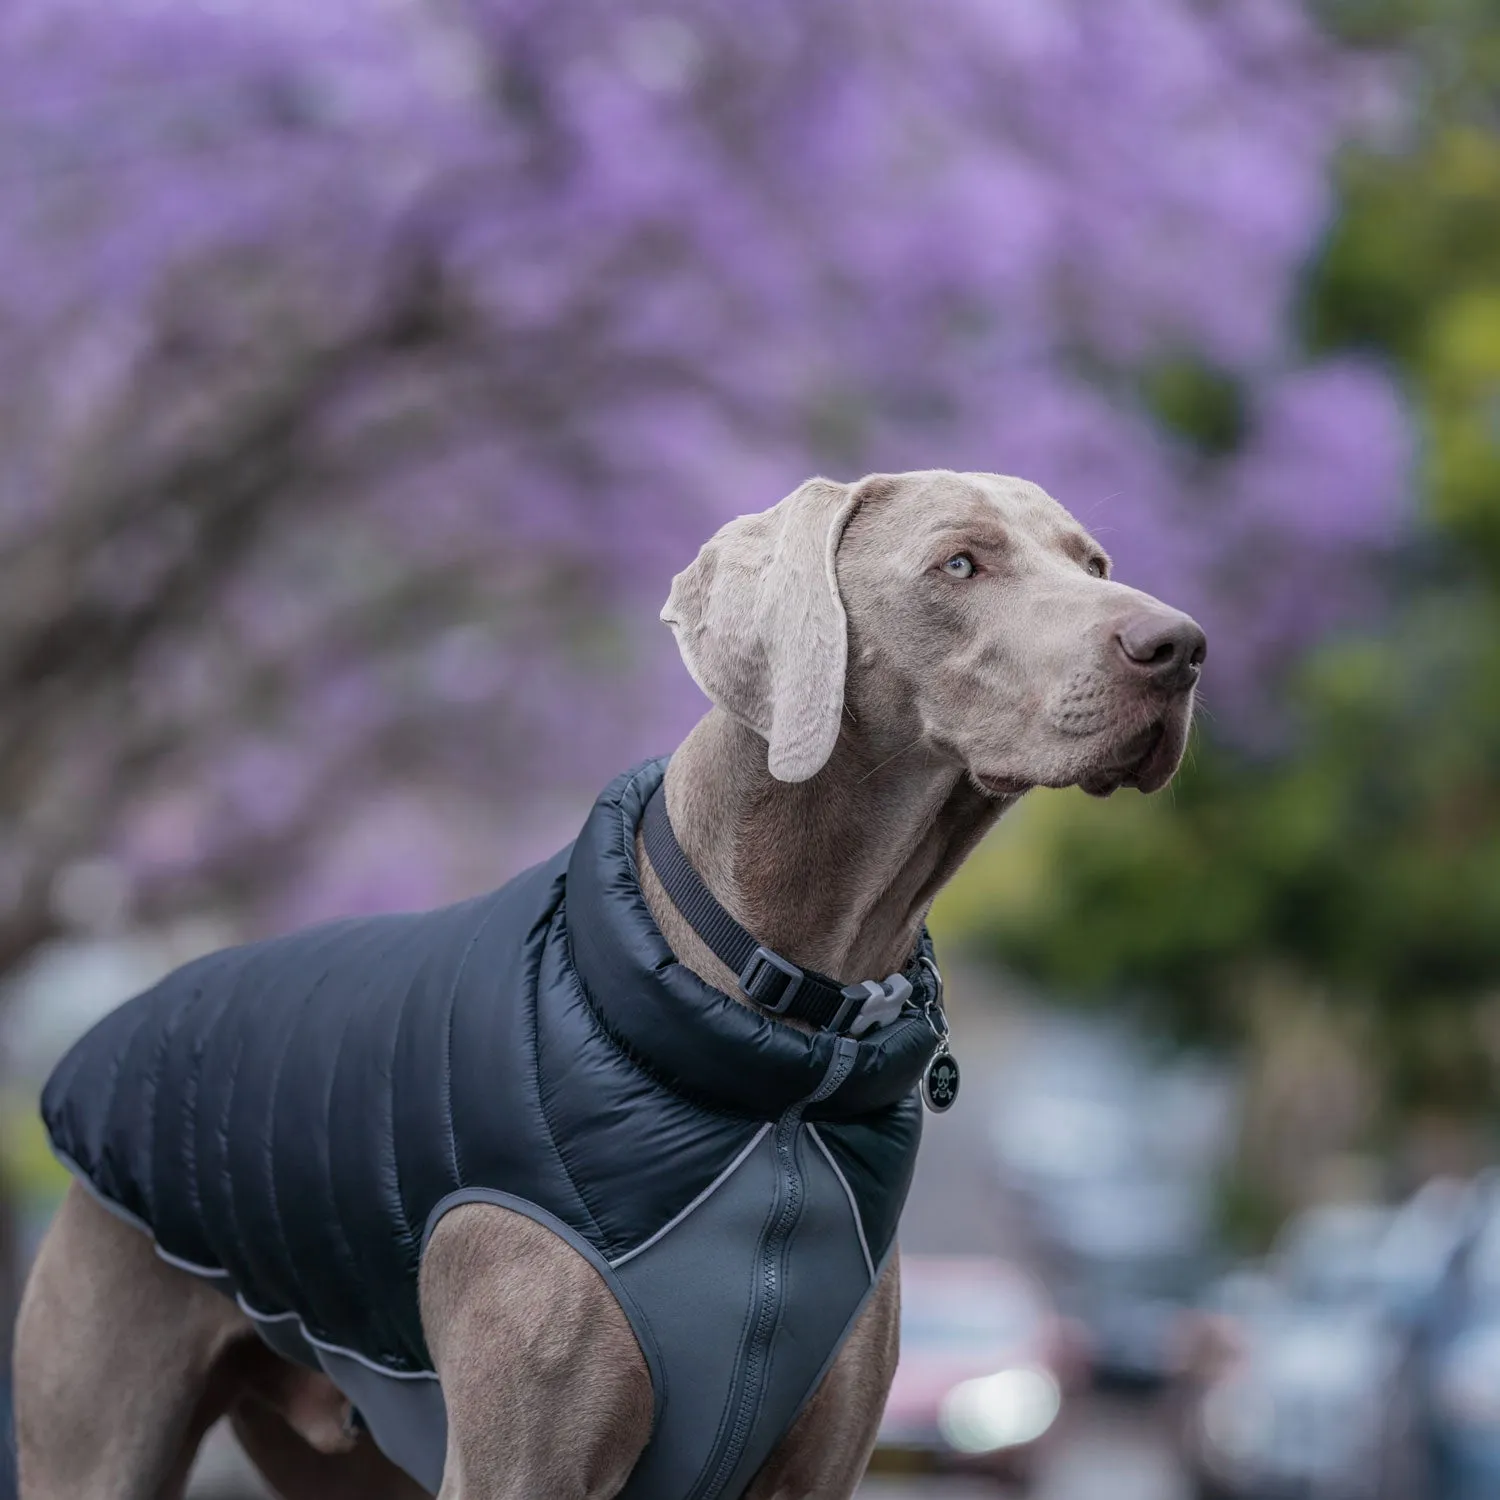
(689, 1034)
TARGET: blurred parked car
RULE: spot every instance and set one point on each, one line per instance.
(985, 1365)
(1330, 1256)
(1457, 1357)
(1127, 1256)
(1427, 1233)
(1297, 1382)
(1109, 1157)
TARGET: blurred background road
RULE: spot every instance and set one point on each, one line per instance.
(1108, 1446)
(368, 369)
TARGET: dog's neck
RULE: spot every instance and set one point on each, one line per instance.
(836, 873)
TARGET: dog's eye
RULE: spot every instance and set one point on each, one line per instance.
(960, 565)
(1098, 567)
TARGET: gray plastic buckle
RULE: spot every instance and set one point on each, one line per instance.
(871, 1003)
(755, 969)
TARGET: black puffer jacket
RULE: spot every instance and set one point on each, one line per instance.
(291, 1118)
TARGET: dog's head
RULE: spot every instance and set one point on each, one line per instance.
(968, 613)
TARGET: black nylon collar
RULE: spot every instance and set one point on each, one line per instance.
(695, 1037)
(780, 986)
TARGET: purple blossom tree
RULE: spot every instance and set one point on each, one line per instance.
(367, 369)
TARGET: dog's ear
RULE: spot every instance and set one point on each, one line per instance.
(760, 624)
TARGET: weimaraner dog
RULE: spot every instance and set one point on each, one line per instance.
(891, 664)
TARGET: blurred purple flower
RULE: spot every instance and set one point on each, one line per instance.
(494, 311)
(1330, 459)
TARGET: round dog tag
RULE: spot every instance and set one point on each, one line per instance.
(940, 1081)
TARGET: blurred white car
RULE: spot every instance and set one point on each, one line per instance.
(1296, 1384)
(985, 1365)
(1305, 1410)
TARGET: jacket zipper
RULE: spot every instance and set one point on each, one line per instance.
(766, 1303)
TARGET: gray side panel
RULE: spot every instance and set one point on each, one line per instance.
(695, 1287)
(833, 1353)
(284, 1334)
(406, 1417)
(827, 1280)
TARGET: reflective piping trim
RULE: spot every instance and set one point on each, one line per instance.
(87, 1184)
(119, 1210)
(859, 1223)
(697, 1202)
(187, 1265)
(317, 1343)
(369, 1364)
(262, 1317)
(215, 1274)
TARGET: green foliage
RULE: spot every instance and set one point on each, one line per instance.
(1412, 266)
(1203, 405)
(1413, 269)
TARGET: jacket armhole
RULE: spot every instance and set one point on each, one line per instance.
(575, 1241)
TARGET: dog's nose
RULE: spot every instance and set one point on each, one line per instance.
(1165, 647)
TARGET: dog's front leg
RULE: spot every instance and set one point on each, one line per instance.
(546, 1389)
(828, 1447)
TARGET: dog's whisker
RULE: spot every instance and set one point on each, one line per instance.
(1102, 500)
